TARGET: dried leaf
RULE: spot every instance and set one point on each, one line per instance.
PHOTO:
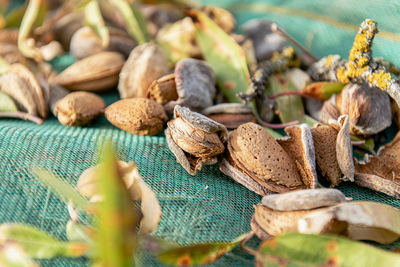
(117, 221)
(200, 254)
(322, 90)
(7, 104)
(224, 55)
(359, 220)
(320, 250)
(94, 20)
(38, 244)
(63, 189)
(135, 22)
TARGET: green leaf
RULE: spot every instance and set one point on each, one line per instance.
(4, 66)
(135, 22)
(290, 108)
(198, 254)
(226, 58)
(155, 246)
(63, 189)
(7, 104)
(117, 221)
(322, 250)
(38, 244)
(12, 255)
(78, 232)
(322, 90)
(94, 20)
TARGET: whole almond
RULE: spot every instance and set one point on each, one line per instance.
(137, 115)
(98, 72)
(79, 108)
(145, 64)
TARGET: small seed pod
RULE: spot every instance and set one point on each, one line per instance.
(194, 139)
(256, 160)
(368, 109)
(163, 90)
(98, 72)
(137, 115)
(79, 108)
(145, 64)
(195, 85)
(264, 40)
(231, 115)
(85, 43)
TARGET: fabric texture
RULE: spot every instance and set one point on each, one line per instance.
(209, 206)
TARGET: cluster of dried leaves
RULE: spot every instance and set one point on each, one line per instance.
(221, 95)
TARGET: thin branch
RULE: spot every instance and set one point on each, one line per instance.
(21, 115)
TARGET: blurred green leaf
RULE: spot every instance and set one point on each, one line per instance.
(226, 58)
(94, 20)
(155, 246)
(14, 17)
(63, 189)
(198, 254)
(117, 221)
(135, 22)
(7, 104)
(12, 255)
(38, 244)
(321, 250)
(322, 90)
(78, 232)
(290, 107)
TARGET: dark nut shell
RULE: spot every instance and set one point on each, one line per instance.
(195, 84)
(79, 108)
(137, 115)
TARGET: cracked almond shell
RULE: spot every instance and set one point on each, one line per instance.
(145, 64)
(381, 172)
(163, 89)
(139, 116)
(79, 108)
(95, 73)
(194, 139)
(256, 160)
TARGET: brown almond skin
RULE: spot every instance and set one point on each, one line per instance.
(139, 116)
(163, 90)
(79, 108)
(255, 152)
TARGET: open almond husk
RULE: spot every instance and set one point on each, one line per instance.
(333, 150)
(194, 139)
(256, 160)
(150, 208)
(325, 211)
(33, 84)
(98, 72)
(382, 171)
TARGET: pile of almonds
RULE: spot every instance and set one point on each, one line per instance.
(167, 84)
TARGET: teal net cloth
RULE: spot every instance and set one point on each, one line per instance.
(209, 206)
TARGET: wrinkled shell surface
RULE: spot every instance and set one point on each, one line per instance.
(195, 84)
(98, 72)
(79, 108)
(145, 64)
(137, 115)
(256, 153)
(368, 108)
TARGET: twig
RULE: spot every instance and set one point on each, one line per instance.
(277, 125)
(21, 115)
(247, 249)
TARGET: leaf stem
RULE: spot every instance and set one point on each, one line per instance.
(358, 143)
(277, 125)
(21, 115)
(299, 93)
(244, 247)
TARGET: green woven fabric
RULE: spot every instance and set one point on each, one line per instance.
(209, 206)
